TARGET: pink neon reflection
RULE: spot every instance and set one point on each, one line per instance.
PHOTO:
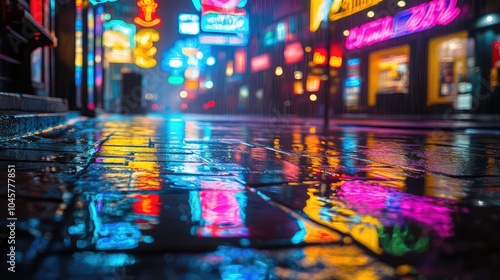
(423, 16)
(393, 206)
(221, 214)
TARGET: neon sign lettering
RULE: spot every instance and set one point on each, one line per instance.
(418, 18)
(147, 17)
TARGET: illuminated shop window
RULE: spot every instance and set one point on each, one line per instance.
(451, 70)
(389, 72)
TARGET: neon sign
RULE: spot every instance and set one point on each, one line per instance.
(318, 13)
(95, 2)
(261, 62)
(319, 56)
(293, 53)
(343, 8)
(189, 24)
(147, 17)
(118, 40)
(418, 18)
(145, 51)
(223, 39)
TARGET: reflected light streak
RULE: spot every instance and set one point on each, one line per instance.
(222, 214)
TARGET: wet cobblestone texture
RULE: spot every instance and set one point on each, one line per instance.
(175, 198)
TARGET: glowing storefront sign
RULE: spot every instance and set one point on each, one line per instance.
(418, 18)
(336, 54)
(95, 2)
(118, 40)
(240, 61)
(343, 8)
(189, 24)
(232, 3)
(145, 51)
(147, 17)
(215, 19)
(260, 63)
(175, 80)
(318, 13)
(293, 53)
(319, 56)
(313, 83)
(223, 39)
(78, 52)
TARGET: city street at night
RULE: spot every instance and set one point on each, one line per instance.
(228, 197)
(250, 139)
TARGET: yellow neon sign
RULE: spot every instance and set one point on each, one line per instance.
(343, 8)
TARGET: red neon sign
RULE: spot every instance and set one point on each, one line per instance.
(261, 62)
(319, 56)
(293, 53)
(418, 18)
(240, 61)
(147, 15)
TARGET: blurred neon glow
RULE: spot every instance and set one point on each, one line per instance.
(278, 71)
(90, 58)
(293, 53)
(147, 14)
(415, 19)
(118, 40)
(222, 214)
(297, 75)
(210, 61)
(319, 56)
(318, 13)
(313, 97)
(175, 80)
(340, 9)
(298, 87)
(95, 2)
(229, 68)
(145, 51)
(183, 94)
(189, 24)
(313, 83)
(78, 52)
(209, 84)
(240, 61)
(175, 63)
(260, 63)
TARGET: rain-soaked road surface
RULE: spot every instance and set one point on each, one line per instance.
(184, 198)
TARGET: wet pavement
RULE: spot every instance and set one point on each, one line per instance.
(183, 198)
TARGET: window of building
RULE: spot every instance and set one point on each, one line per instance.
(451, 68)
(389, 72)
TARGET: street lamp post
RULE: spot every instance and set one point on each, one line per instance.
(327, 85)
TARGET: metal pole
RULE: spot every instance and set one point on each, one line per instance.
(327, 82)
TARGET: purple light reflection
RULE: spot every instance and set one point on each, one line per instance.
(395, 207)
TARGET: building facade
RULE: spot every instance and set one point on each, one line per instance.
(418, 57)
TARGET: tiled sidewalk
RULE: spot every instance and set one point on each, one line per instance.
(151, 198)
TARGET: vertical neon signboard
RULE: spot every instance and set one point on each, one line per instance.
(90, 58)
(98, 52)
(78, 52)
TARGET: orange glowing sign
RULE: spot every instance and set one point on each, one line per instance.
(191, 84)
(336, 54)
(298, 87)
(240, 61)
(319, 56)
(147, 15)
(144, 50)
(313, 83)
